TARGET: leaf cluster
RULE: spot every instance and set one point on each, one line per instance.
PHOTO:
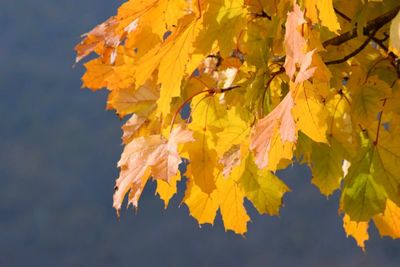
(266, 83)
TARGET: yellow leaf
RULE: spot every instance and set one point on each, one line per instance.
(310, 113)
(280, 153)
(231, 199)
(166, 190)
(203, 166)
(311, 10)
(202, 206)
(223, 21)
(357, 230)
(171, 58)
(327, 15)
(388, 223)
(209, 118)
(173, 65)
(161, 15)
(235, 132)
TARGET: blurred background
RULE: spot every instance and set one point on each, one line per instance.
(58, 154)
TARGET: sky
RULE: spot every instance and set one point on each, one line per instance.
(58, 155)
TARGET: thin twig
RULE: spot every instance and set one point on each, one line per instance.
(274, 74)
(211, 91)
(380, 43)
(379, 122)
(355, 52)
(341, 14)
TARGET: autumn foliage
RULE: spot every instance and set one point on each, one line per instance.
(266, 83)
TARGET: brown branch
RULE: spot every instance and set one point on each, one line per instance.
(374, 24)
(355, 52)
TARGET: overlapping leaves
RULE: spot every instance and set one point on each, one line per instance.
(265, 84)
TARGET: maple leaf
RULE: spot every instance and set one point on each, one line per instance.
(372, 179)
(233, 212)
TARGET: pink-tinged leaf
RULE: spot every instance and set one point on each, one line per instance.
(102, 35)
(294, 40)
(131, 127)
(262, 134)
(165, 159)
(305, 71)
(134, 166)
(145, 156)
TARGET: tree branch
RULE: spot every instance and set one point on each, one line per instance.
(374, 24)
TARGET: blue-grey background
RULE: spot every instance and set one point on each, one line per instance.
(58, 154)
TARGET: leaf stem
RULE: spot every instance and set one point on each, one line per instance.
(211, 91)
(379, 122)
(274, 74)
